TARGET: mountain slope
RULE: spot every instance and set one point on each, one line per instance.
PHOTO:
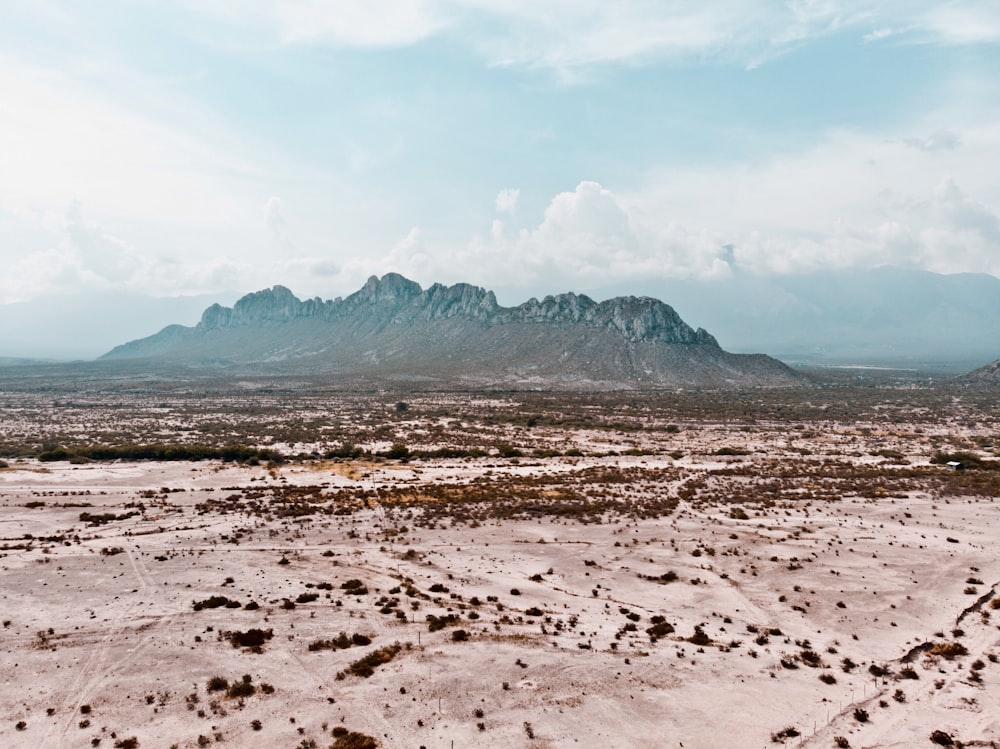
(987, 375)
(393, 328)
(884, 316)
(83, 325)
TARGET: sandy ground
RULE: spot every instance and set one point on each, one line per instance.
(101, 642)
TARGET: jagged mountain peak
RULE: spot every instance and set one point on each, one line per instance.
(636, 318)
(392, 286)
(393, 325)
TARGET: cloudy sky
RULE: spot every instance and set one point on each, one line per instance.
(197, 146)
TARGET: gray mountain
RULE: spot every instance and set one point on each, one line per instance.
(988, 375)
(85, 325)
(897, 317)
(392, 328)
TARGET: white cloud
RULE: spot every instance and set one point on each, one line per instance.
(167, 194)
(356, 23)
(961, 23)
(77, 252)
(939, 139)
(96, 251)
(852, 200)
(74, 143)
(572, 35)
(586, 236)
(274, 217)
(506, 201)
(965, 216)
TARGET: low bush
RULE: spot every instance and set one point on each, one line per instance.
(253, 639)
(788, 732)
(699, 637)
(366, 666)
(354, 740)
(242, 688)
(948, 650)
(659, 629)
(215, 602)
(435, 623)
(341, 642)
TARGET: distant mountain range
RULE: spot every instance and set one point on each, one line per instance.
(393, 329)
(894, 317)
(83, 326)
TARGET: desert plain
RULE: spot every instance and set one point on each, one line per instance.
(282, 563)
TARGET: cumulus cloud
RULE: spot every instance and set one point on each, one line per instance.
(96, 251)
(875, 213)
(506, 201)
(936, 141)
(274, 217)
(958, 211)
(73, 252)
(586, 236)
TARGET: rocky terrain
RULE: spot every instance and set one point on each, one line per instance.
(988, 375)
(271, 563)
(394, 328)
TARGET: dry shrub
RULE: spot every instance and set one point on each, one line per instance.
(354, 740)
(949, 650)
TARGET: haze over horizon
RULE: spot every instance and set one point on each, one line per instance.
(180, 148)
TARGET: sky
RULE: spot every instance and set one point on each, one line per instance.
(201, 146)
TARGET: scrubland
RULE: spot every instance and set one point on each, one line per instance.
(288, 564)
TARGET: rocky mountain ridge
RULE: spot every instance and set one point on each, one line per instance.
(401, 300)
(392, 327)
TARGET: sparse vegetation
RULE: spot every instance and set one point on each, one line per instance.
(587, 487)
(365, 667)
(253, 639)
(949, 650)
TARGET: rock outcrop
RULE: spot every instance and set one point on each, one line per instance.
(391, 327)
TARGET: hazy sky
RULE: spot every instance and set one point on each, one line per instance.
(205, 145)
